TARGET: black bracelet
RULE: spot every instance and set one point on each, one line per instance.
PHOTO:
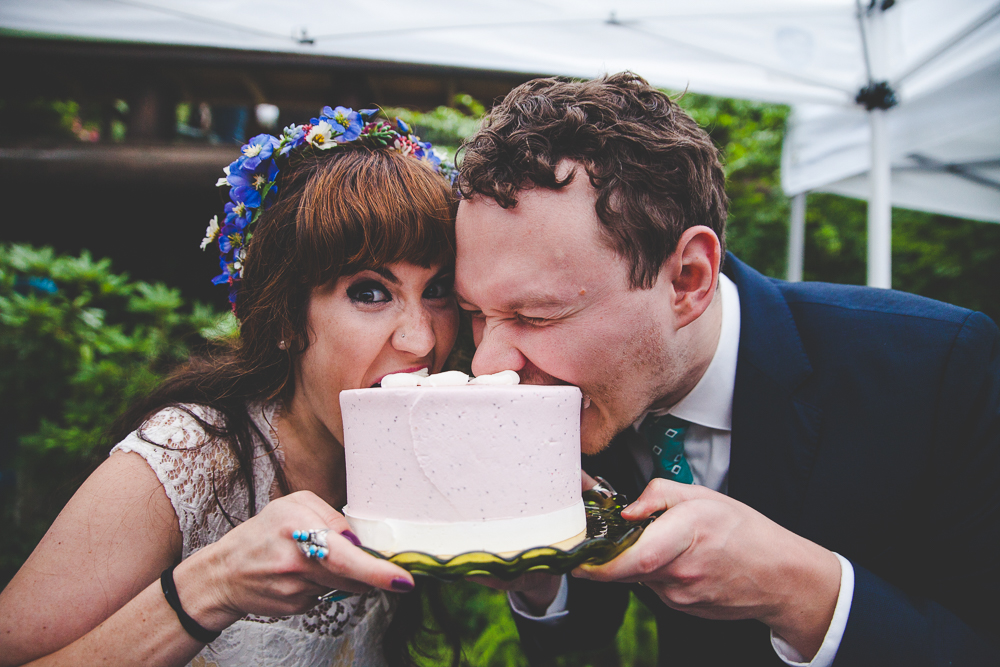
(189, 624)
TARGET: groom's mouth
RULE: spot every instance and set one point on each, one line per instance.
(531, 374)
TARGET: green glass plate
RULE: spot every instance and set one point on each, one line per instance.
(608, 534)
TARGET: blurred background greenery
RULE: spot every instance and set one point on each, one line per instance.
(79, 338)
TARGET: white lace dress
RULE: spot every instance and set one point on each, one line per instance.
(188, 464)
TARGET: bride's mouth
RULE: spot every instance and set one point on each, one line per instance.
(414, 369)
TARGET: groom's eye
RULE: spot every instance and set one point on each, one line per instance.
(531, 321)
(368, 291)
(440, 288)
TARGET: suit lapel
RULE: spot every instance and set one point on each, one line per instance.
(775, 426)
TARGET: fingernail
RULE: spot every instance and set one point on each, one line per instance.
(351, 537)
(402, 585)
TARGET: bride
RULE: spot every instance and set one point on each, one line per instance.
(211, 535)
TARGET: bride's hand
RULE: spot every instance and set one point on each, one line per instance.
(257, 568)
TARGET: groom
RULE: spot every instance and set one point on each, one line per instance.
(844, 442)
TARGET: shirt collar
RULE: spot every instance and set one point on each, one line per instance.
(710, 403)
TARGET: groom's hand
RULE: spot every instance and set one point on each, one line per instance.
(714, 557)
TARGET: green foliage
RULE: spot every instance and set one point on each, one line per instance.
(47, 120)
(944, 258)
(445, 127)
(490, 639)
(77, 344)
(749, 135)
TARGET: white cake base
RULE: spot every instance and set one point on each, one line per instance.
(446, 539)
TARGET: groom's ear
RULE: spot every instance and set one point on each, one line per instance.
(693, 273)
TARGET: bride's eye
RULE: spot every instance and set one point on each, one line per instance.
(440, 288)
(368, 291)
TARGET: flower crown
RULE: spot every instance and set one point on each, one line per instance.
(252, 177)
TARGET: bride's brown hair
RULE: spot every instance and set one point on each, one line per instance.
(337, 212)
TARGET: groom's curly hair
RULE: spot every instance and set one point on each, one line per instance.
(655, 172)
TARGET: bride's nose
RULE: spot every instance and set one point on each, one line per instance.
(414, 332)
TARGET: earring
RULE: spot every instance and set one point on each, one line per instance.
(282, 345)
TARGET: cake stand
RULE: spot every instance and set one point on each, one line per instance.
(607, 535)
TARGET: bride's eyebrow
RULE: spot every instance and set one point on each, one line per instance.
(387, 274)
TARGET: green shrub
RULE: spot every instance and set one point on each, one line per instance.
(77, 344)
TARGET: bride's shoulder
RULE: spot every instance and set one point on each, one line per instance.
(181, 436)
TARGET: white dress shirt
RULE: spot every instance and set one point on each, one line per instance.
(709, 408)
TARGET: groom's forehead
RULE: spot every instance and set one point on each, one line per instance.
(564, 217)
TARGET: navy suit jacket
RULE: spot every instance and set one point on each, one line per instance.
(867, 421)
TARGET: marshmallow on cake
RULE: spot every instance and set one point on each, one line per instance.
(445, 465)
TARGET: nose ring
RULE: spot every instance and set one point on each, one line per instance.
(402, 335)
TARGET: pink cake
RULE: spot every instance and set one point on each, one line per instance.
(450, 469)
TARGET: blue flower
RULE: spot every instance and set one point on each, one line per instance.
(429, 154)
(245, 194)
(402, 126)
(227, 271)
(349, 121)
(237, 214)
(293, 137)
(368, 114)
(249, 184)
(259, 149)
(231, 238)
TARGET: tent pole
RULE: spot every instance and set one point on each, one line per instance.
(880, 98)
(797, 238)
(879, 205)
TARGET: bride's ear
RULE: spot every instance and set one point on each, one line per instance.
(693, 272)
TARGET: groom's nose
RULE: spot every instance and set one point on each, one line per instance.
(496, 351)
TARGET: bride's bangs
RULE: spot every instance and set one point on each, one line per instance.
(370, 208)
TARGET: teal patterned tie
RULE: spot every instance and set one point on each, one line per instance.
(666, 439)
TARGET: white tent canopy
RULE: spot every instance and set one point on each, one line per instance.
(802, 52)
(944, 149)
(941, 143)
(758, 49)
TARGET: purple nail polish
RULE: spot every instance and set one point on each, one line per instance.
(402, 585)
(351, 537)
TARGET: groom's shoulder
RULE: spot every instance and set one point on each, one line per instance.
(909, 324)
(858, 301)
(853, 311)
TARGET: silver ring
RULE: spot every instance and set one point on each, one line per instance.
(312, 543)
(312, 551)
(603, 487)
(317, 537)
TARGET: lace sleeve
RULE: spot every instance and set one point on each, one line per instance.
(193, 469)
